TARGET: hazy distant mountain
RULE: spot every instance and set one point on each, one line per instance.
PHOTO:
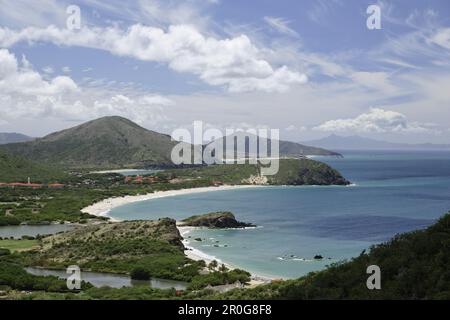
(109, 142)
(12, 137)
(335, 142)
(287, 148)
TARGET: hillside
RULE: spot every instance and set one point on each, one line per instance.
(413, 265)
(108, 142)
(12, 137)
(287, 148)
(119, 248)
(291, 172)
(18, 169)
(219, 220)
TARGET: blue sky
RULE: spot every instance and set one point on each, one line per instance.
(309, 68)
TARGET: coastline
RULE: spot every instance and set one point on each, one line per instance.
(102, 209)
(195, 254)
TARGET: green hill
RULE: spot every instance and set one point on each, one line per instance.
(109, 142)
(291, 172)
(413, 265)
(286, 148)
(17, 169)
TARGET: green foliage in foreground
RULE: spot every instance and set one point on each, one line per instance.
(413, 265)
(217, 278)
(13, 275)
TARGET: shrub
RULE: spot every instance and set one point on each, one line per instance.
(140, 274)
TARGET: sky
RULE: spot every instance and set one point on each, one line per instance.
(309, 68)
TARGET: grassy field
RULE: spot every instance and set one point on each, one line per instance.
(18, 245)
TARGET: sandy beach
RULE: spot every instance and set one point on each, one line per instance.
(102, 208)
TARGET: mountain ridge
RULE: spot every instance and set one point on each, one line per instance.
(115, 142)
(107, 142)
(13, 137)
(286, 148)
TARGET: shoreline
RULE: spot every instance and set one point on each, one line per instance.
(102, 209)
(196, 255)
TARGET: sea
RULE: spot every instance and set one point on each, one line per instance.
(391, 192)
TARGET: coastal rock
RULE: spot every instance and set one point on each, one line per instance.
(215, 220)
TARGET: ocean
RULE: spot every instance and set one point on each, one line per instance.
(391, 192)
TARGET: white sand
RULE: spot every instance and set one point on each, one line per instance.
(103, 207)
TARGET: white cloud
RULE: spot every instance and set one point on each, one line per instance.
(235, 63)
(442, 38)
(48, 70)
(66, 69)
(281, 25)
(25, 94)
(26, 82)
(374, 80)
(376, 120)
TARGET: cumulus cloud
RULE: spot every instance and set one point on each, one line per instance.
(24, 93)
(26, 82)
(376, 120)
(235, 63)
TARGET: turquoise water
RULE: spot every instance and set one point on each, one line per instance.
(393, 192)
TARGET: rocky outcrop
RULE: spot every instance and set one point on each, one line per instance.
(215, 220)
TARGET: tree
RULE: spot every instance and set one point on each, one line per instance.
(213, 265)
(223, 268)
(139, 273)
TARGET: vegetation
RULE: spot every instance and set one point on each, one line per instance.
(13, 276)
(413, 265)
(15, 168)
(109, 142)
(140, 273)
(153, 247)
(291, 172)
(217, 278)
(215, 220)
(306, 172)
(18, 245)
